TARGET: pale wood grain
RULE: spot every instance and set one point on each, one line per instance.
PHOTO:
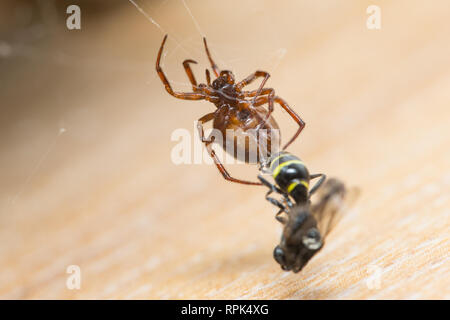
(104, 194)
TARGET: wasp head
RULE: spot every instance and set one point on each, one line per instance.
(300, 240)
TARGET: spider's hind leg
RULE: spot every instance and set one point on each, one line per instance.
(212, 153)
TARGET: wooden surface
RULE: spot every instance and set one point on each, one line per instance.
(87, 177)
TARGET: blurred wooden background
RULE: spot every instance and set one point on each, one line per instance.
(87, 178)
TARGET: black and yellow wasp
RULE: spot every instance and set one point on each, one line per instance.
(305, 225)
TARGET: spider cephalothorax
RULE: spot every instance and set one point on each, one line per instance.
(226, 91)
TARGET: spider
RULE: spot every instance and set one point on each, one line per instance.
(235, 110)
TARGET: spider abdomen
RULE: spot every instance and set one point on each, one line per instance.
(243, 136)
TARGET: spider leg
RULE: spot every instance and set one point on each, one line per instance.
(208, 142)
(262, 100)
(294, 115)
(261, 86)
(213, 64)
(253, 77)
(266, 99)
(190, 74)
(208, 78)
(206, 118)
(162, 76)
(249, 94)
(259, 91)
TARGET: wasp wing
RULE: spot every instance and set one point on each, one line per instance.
(333, 200)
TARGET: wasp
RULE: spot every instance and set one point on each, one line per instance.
(305, 225)
(292, 176)
(237, 110)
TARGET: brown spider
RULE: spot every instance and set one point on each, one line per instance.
(233, 111)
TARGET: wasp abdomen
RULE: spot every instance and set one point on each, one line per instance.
(291, 175)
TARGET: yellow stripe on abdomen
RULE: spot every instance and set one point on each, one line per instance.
(282, 165)
(296, 183)
(278, 158)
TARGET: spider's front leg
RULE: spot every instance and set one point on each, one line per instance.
(253, 77)
(190, 74)
(253, 93)
(208, 144)
(260, 91)
(162, 76)
(208, 78)
(213, 64)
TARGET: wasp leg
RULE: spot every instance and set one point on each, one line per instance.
(272, 187)
(278, 204)
(318, 183)
(275, 202)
